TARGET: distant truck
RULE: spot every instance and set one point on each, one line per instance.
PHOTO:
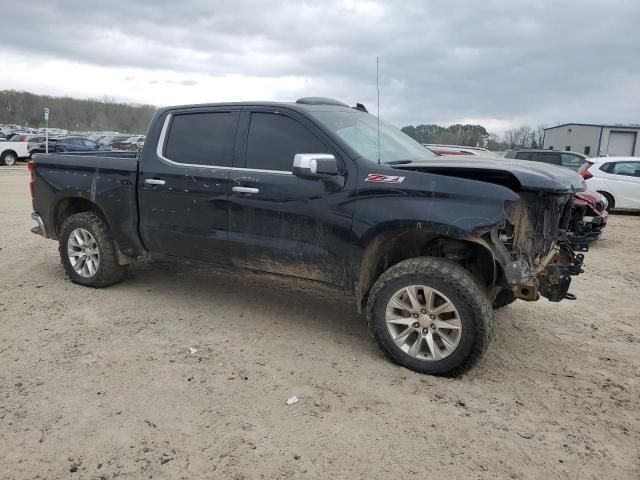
(320, 191)
(10, 152)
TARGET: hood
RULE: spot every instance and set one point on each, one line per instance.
(512, 173)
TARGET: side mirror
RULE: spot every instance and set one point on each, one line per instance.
(315, 165)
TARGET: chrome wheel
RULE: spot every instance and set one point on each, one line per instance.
(423, 322)
(83, 252)
(9, 160)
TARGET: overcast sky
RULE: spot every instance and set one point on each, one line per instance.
(499, 63)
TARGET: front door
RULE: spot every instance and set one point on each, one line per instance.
(281, 223)
(184, 185)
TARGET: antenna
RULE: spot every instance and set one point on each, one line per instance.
(378, 89)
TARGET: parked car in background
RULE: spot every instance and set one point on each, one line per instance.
(458, 150)
(41, 148)
(106, 142)
(13, 135)
(588, 217)
(68, 144)
(617, 178)
(10, 152)
(572, 160)
(33, 140)
(131, 143)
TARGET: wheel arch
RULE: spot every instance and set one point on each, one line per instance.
(393, 246)
(608, 196)
(67, 206)
(7, 151)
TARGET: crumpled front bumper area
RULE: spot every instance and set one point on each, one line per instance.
(555, 279)
(533, 250)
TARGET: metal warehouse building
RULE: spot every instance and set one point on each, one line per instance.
(594, 140)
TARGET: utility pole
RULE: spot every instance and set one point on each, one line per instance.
(46, 130)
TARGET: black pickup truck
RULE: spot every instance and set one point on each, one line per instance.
(321, 191)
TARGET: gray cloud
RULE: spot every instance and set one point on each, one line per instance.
(526, 61)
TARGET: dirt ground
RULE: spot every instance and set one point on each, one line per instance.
(102, 384)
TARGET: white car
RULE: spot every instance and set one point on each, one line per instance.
(10, 152)
(617, 178)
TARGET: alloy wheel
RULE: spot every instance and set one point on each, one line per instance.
(83, 252)
(423, 322)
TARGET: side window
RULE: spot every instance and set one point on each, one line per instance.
(571, 161)
(202, 138)
(275, 139)
(552, 158)
(523, 155)
(606, 167)
(629, 169)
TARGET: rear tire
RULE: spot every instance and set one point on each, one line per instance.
(434, 282)
(9, 159)
(611, 203)
(90, 257)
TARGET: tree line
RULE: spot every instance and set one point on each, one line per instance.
(477, 136)
(26, 109)
(105, 114)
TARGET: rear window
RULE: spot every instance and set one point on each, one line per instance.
(572, 161)
(552, 158)
(202, 138)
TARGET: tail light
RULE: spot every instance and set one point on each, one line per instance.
(32, 170)
(584, 171)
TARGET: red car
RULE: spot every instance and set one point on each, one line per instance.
(588, 217)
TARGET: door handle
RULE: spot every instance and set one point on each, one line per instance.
(153, 181)
(245, 190)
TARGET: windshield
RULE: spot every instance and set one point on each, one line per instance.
(360, 131)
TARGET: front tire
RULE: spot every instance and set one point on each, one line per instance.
(9, 159)
(88, 252)
(429, 315)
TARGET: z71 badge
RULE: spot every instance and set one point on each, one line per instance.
(377, 178)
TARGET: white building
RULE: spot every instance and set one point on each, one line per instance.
(594, 140)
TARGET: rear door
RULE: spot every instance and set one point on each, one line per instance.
(184, 185)
(280, 223)
(623, 179)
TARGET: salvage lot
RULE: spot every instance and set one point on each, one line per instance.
(102, 382)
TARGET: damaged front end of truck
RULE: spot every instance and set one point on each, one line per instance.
(532, 248)
(528, 236)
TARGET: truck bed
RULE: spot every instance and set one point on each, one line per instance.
(105, 178)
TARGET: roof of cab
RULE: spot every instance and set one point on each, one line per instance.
(309, 104)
